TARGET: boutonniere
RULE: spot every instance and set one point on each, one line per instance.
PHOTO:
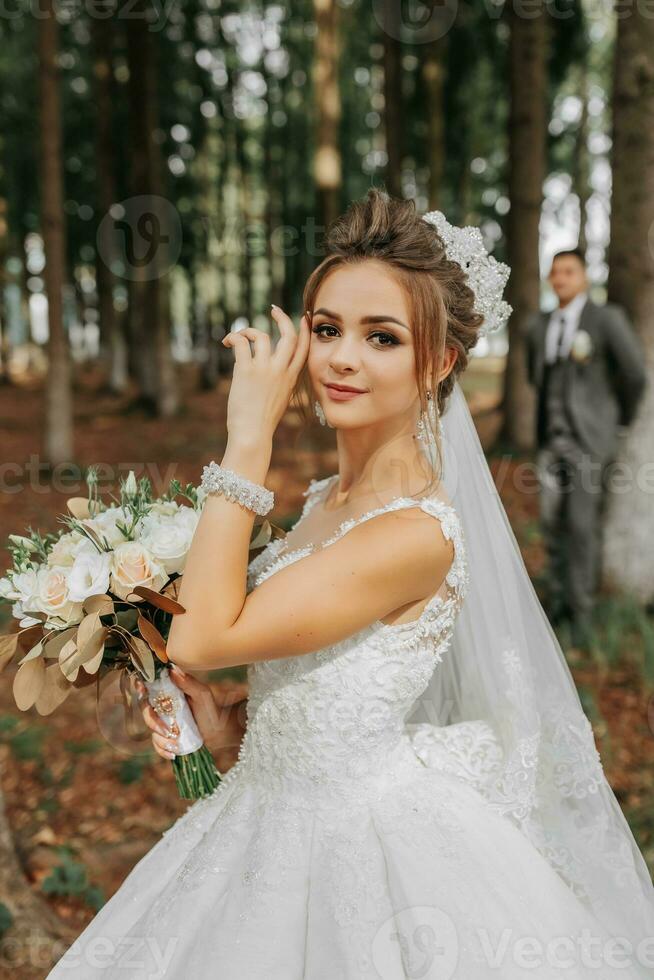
(582, 347)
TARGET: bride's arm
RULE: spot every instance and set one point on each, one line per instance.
(383, 563)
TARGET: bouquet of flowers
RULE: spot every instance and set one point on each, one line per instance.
(100, 596)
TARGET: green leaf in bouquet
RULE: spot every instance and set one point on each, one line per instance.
(28, 683)
(153, 638)
(165, 602)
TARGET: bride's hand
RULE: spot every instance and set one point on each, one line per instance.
(221, 726)
(263, 381)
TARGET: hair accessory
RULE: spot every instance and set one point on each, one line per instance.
(486, 276)
(218, 479)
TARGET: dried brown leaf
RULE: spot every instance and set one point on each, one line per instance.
(159, 600)
(36, 651)
(55, 690)
(153, 638)
(101, 604)
(79, 507)
(142, 657)
(28, 683)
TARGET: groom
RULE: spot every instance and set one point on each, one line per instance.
(586, 364)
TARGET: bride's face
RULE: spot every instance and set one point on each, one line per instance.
(361, 336)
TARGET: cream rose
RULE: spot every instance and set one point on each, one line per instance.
(131, 565)
(54, 597)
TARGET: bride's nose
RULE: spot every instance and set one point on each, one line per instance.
(344, 356)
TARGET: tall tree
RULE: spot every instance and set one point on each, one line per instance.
(394, 115)
(327, 162)
(149, 299)
(433, 73)
(629, 528)
(113, 341)
(528, 49)
(58, 441)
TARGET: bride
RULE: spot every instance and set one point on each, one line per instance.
(417, 792)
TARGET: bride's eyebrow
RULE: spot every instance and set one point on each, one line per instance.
(380, 318)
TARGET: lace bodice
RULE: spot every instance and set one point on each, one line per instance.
(334, 719)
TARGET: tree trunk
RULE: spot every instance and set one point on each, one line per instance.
(527, 132)
(628, 555)
(58, 435)
(149, 293)
(113, 344)
(433, 73)
(327, 162)
(581, 172)
(393, 107)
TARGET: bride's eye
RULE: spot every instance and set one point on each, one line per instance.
(388, 336)
(389, 339)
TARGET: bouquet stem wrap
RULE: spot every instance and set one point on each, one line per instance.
(194, 767)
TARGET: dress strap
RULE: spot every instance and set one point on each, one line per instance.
(445, 514)
(313, 493)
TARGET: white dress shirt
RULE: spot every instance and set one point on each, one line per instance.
(571, 313)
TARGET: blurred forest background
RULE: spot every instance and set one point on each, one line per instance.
(167, 170)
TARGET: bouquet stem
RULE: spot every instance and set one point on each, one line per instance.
(194, 767)
(195, 774)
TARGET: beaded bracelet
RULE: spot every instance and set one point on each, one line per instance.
(218, 479)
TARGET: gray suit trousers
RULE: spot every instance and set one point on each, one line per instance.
(571, 502)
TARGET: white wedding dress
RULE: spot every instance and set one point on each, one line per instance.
(346, 844)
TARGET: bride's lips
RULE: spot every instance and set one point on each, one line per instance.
(338, 394)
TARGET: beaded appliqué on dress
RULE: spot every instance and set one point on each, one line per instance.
(326, 743)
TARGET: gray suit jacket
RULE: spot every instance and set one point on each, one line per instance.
(601, 393)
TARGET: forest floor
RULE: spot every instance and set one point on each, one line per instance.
(83, 812)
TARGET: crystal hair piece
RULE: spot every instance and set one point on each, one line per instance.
(486, 276)
(218, 479)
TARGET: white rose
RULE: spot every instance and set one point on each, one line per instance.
(131, 565)
(25, 589)
(55, 599)
(63, 551)
(105, 525)
(165, 507)
(169, 538)
(6, 587)
(89, 575)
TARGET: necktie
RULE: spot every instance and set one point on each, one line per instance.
(559, 346)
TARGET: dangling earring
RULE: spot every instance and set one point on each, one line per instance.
(317, 407)
(429, 423)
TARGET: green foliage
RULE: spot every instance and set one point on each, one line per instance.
(28, 743)
(6, 919)
(70, 878)
(131, 769)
